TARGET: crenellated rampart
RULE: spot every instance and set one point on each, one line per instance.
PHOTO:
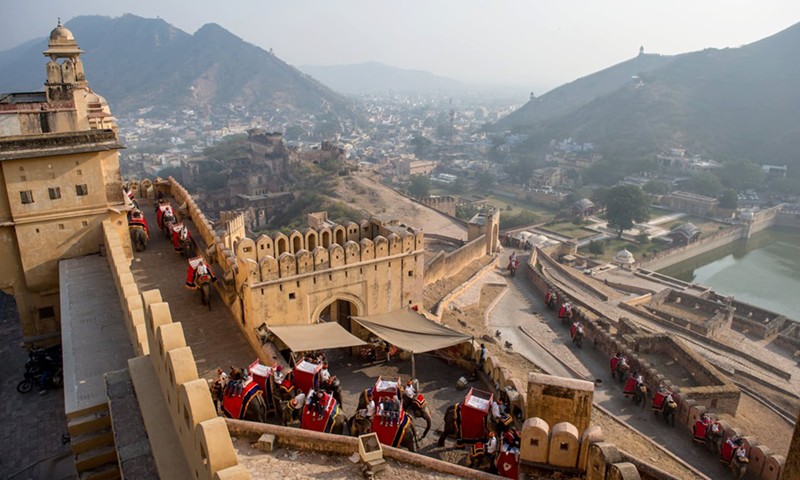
(158, 341)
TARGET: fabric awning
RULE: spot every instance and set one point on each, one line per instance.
(412, 331)
(317, 336)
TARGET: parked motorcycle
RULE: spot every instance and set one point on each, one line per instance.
(43, 368)
(43, 378)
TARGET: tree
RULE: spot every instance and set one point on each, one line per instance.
(420, 186)
(625, 205)
(705, 183)
(656, 187)
(729, 199)
(421, 145)
(741, 174)
(485, 180)
(597, 247)
(459, 186)
(599, 196)
(167, 172)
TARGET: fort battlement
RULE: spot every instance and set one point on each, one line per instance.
(710, 393)
(181, 396)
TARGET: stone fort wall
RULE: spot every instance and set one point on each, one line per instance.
(764, 465)
(204, 438)
(445, 264)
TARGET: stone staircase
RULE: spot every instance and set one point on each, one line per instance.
(92, 443)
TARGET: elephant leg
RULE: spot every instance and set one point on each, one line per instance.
(428, 421)
(442, 438)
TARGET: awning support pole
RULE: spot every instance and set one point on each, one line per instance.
(413, 367)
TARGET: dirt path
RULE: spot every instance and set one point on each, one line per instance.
(364, 192)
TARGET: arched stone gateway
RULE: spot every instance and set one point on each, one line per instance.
(330, 273)
(339, 310)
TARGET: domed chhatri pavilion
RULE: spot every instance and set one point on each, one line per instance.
(624, 258)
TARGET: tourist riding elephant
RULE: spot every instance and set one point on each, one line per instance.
(359, 425)
(621, 372)
(334, 388)
(255, 409)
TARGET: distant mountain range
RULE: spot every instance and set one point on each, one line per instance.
(138, 62)
(725, 104)
(373, 77)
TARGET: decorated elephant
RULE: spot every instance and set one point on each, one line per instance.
(405, 436)
(247, 404)
(418, 408)
(139, 238)
(452, 426)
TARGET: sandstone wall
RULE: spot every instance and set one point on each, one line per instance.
(447, 264)
(692, 401)
(204, 437)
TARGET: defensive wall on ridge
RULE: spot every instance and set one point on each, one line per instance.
(185, 400)
(717, 394)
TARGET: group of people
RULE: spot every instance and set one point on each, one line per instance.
(388, 408)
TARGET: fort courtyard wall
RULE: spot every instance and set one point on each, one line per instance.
(157, 340)
(444, 264)
(717, 394)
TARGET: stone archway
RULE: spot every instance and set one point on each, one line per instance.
(339, 309)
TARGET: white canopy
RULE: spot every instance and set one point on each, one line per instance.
(411, 331)
(317, 336)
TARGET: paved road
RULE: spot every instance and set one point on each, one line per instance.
(522, 306)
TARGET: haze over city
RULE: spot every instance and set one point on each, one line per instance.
(536, 45)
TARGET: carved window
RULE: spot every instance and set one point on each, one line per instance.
(26, 196)
(55, 193)
(82, 190)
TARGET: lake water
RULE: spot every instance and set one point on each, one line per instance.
(764, 271)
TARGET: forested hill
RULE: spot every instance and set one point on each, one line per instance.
(140, 62)
(734, 103)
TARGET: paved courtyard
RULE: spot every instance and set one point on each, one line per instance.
(30, 440)
(213, 335)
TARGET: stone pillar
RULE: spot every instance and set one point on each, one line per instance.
(601, 456)
(591, 436)
(564, 443)
(535, 441)
(623, 471)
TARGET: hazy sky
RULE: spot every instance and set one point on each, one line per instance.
(533, 43)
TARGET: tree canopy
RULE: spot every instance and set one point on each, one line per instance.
(420, 186)
(626, 204)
